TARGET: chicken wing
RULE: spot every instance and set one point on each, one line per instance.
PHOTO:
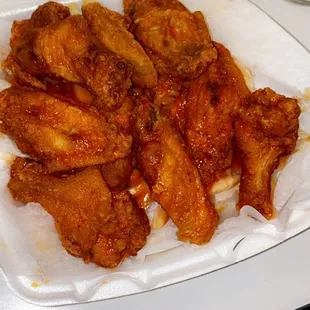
(60, 45)
(205, 114)
(111, 31)
(75, 58)
(93, 223)
(63, 51)
(172, 175)
(266, 129)
(22, 61)
(177, 41)
(63, 137)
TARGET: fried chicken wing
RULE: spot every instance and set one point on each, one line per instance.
(177, 41)
(93, 223)
(172, 175)
(22, 61)
(267, 128)
(60, 45)
(63, 51)
(76, 59)
(110, 29)
(205, 114)
(61, 136)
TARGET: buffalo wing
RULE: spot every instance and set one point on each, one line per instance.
(69, 52)
(93, 223)
(111, 30)
(172, 176)
(61, 136)
(205, 112)
(267, 128)
(47, 55)
(177, 41)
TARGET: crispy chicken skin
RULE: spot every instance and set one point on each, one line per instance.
(166, 91)
(93, 223)
(205, 112)
(136, 8)
(110, 28)
(61, 136)
(172, 176)
(117, 173)
(177, 41)
(266, 129)
(49, 13)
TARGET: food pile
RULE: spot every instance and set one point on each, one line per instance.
(115, 111)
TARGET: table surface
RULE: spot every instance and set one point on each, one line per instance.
(275, 280)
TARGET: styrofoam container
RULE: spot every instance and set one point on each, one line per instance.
(40, 271)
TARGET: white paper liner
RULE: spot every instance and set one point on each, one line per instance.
(40, 270)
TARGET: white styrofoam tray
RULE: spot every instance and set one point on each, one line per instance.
(39, 270)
